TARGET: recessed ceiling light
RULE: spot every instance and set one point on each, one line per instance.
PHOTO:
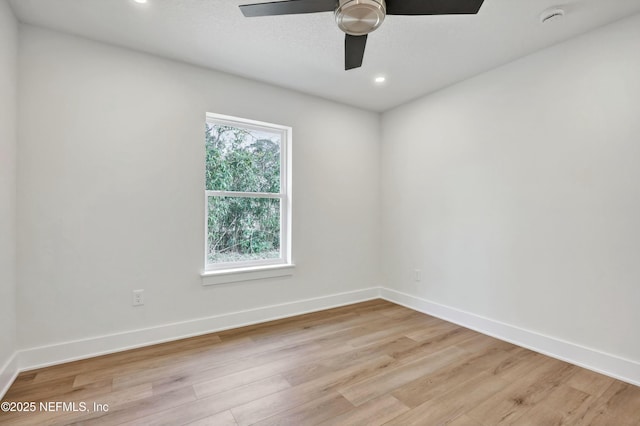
(380, 79)
(141, 1)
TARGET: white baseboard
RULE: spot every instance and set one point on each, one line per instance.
(80, 349)
(607, 364)
(8, 373)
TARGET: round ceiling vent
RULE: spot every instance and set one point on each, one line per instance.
(360, 17)
(551, 15)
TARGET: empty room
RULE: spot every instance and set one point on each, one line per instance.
(305, 212)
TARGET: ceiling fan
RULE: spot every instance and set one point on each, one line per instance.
(357, 18)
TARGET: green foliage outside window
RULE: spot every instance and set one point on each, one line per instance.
(241, 160)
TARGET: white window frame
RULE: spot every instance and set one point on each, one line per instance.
(217, 273)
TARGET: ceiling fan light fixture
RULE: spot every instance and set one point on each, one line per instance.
(360, 17)
(357, 18)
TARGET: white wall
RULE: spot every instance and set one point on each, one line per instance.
(8, 139)
(517, 193)
(111, 182)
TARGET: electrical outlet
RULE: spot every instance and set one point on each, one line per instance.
(138, 297)
(417, 275)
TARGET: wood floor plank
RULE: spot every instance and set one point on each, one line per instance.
(590, 382)
(562, 406)
(216, 379)
(241, 378)
(437, 343)
(453, 403)
(130, 359)
(405, 327)
(43, 391)
(365, 364)
(464, 420)
(218, 366)
(353, 356)
(522, 362)
(300, 321)
(310, 413)
(511, 403)
(223, 361)
(180, 357)
(430, 330)
(619, 405)
(375, 412)
(245, 369)
(246, 393)
(271, 405)
(214, 404)
(221, 419)
(125, 412)
(481, 342)
(388, 381)
(450, 375)
(400, 313)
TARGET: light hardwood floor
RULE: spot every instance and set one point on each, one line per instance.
(368, 364)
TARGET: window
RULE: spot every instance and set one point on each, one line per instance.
(247, 194)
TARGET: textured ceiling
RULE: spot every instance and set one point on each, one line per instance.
(418, 55)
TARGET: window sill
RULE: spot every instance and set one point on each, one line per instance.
(246, 274)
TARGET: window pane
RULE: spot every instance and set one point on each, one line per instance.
(241, 229)
(244, 160)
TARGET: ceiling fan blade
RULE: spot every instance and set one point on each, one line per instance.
(354, 50)
(289, 7)
(433, 7)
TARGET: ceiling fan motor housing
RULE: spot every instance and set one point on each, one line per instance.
(360, 17)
